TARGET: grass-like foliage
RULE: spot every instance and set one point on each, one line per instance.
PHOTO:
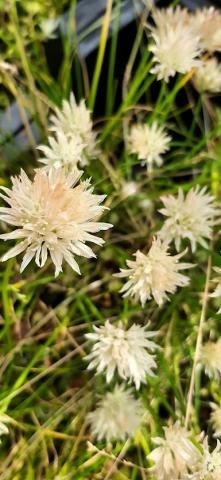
(110, 338)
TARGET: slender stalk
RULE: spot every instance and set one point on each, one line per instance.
(111, 81)
(26, 65)
(100, 55)
(198, 343)
(118, 458)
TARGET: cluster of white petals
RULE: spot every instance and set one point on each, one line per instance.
(211, 358)
(217, 291)
(209, 464)
(52, 214)
(175, 454)
(62, 152)
(129, 189)
(191, 216)
(148, 142)
(175, 44)
(171, 16)
(154, 275)
(207, 77)
(130, 352)
(117, 416)
(206, 23)
(75, 121)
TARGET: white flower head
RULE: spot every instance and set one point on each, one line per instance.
(8, 67)
(209, 464)
(49, 27)
(175, 45)
(130, 352)
(215, 419)
(175, 454)
(211, 358)
(149, 143)
(75, 120)
(129, 189)
(171, 16)
(154, 275)
(206, 23)
(191, 216)
(207, 77)
(217, 291)
(117, 416)
(51, 214)
(63, 151)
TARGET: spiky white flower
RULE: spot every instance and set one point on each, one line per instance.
(130, 352)
(52, 215)
(63, 151)
(207, 25)
(209, 464)
(75, 120)
(191, 216)
(154, 275)
(175, 454)
(175, 45)
(207, 77)
(211, 358)
(171, 16)
(217, 291)
(215, 419)
(117, 416)
(149, 143)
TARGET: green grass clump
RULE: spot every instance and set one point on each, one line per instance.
(46, 390)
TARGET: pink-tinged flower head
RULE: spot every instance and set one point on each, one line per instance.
(52, 215)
